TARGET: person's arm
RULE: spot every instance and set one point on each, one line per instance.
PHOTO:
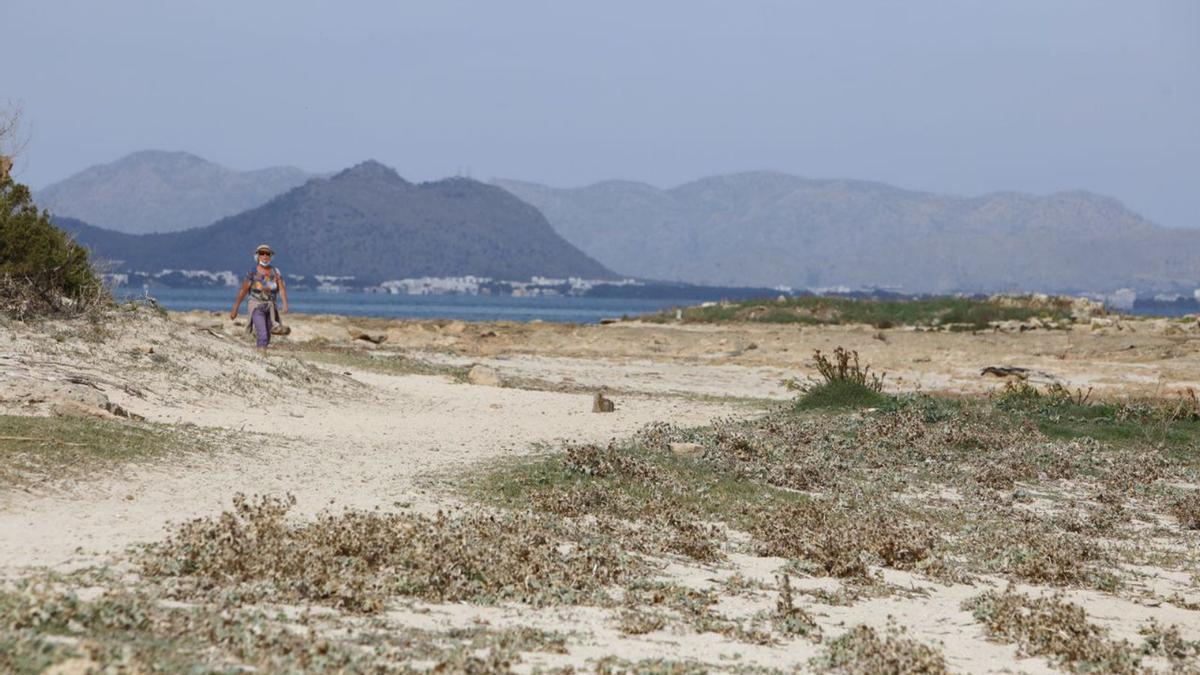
(283, 293)
(241, 296)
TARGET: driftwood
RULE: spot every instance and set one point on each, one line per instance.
(356, 334)
(1018, 373)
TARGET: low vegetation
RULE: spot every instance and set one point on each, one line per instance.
(36, 449)
(1064, 414)
(1030, 485)
(955, 313)
(44, 623)
(356, 560)
(1053, 628)
(862, 650)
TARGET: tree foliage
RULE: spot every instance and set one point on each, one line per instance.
(42, 270)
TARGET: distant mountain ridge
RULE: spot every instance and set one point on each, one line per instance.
(366, 222)
(769, 228)
(159, 191)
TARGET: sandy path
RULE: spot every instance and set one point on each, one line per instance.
(368, 453)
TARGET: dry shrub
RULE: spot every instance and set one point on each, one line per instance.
(637, 622)
(1029, 550)
(778, 449)
(844, 537)
(695, 607)
(1050, 627)
(611, 665)
(861, 650)
(1093, 521)
(1186, 510)
(662, 534)
(1159, 641)
(1129, 471)
(967, 445)
(594, 460)
(1000, 475)
(678, 533)
(357, 560)
(642, 507)
(131, 631)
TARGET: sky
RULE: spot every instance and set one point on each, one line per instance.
(955, 96)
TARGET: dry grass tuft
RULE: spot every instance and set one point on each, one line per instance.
(790, 619)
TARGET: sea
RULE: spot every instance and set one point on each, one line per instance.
(560, 309)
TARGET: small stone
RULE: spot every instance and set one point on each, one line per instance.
(69, 408)
(602, 404)
(484, 376)
(686, 449)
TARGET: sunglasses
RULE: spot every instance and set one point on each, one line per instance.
(269, 255)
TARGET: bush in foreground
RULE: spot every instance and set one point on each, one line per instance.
(42, 270)
(844, 383)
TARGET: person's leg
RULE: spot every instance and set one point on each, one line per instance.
(260, 317)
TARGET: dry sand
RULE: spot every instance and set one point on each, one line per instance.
(345, 436)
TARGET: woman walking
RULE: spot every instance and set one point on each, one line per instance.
(263, 284)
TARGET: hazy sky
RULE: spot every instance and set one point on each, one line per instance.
(951, 96)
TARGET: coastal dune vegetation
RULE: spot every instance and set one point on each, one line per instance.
(953, 313)
(1021, 513)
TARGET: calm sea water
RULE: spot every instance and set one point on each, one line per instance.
(465, 307)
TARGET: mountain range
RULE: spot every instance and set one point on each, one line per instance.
(768, 228)
(747, 229)
(158, 191)
(366, 222)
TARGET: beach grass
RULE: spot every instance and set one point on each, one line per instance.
(33, 449)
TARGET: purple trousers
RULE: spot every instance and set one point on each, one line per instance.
(260, 318)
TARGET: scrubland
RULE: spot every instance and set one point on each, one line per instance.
(759, 501)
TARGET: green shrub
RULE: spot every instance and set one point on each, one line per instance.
(844, 394)
(42, 270)
(844, 383)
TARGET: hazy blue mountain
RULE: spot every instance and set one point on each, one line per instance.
(157, 191)
(365, 222)
(767, 228)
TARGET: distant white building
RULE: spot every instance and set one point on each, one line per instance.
(225, 278)
(468, 285)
